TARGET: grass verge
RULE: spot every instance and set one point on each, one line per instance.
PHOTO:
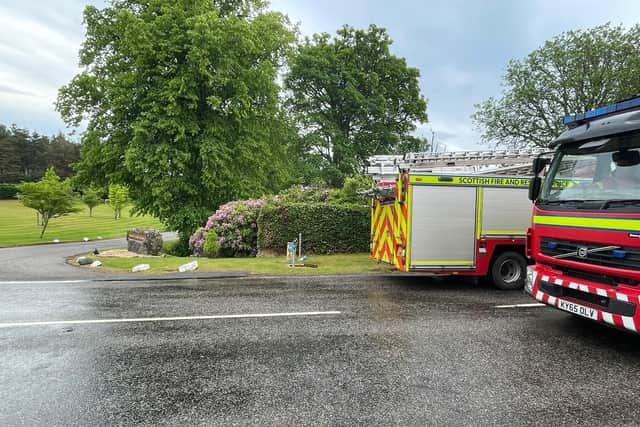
(18, 225)
(327, 264)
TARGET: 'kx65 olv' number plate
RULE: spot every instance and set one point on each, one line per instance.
(578, 309)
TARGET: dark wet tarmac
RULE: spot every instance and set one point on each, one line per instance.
(403, 351)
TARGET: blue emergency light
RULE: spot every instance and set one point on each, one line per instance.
(618, 107)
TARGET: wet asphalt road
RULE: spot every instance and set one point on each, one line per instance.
(404, 351)
(42, 262)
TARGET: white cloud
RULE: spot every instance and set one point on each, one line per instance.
(460, 47)
(452, 132)
(452, 77)
(39, 46)
(549, 19)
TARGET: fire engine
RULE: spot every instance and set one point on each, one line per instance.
(463, 213)
(585, 232)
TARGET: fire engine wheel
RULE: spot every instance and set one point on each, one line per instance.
(509, 270)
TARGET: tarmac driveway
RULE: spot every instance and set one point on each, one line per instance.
(44, 262)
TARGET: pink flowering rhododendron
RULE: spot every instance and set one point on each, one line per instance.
(235, 223)
(196, 242)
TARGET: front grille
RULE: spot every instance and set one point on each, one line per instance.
(607, 258)
(590, 277)
(622, 308)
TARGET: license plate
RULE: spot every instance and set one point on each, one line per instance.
(580, 310)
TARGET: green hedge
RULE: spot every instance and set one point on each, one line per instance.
(8, 191)
(325, 229)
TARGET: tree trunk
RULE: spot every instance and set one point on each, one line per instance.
(90, 212)
(45, 222)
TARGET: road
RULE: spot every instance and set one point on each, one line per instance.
(42, 262)
(375, 350)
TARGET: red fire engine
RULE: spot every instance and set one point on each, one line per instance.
(453, 214)
(585, 232)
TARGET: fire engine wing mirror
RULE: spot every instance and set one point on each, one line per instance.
(539, 163)
(626, 158)
(534, 187)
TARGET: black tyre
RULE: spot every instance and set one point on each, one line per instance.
(509, 270)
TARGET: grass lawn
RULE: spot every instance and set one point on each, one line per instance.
(18, 225)
(327, 264)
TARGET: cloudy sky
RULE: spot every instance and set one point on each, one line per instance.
(460, 46)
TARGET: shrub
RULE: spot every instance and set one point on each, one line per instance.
(211, 245)
(168, 247)
(196, 242)
(8, 191)
(179, 248)
(350, 191)
(235, 225)
(304, 194)
(325, 229)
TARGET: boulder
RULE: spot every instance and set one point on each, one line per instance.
(95, 264)
(191, 266)
(83, 260)
(144, 241)
(140, 267)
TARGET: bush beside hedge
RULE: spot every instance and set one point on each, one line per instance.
(8, 191)
(326, 229)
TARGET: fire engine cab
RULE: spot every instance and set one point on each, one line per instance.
(585, 232)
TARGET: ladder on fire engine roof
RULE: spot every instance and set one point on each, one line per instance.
(501, 162)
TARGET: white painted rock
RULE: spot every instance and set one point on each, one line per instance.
(86, 239)
(56, 241)
(95, 264)
(99, 237)
(191, 266)
(140, 267)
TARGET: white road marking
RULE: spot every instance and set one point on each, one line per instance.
(520, 305)
(167, 319)
(40, 282)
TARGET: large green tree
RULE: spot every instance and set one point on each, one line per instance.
(181, 103)
(50, 197)
(352, 98)
(571, 73)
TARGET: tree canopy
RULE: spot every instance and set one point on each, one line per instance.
(571, 73)
(181, 101)
(25, 155)
(91, 199)
(118, 198)
(351, 98)
(50, 197)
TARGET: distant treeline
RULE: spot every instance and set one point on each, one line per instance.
(25, 156)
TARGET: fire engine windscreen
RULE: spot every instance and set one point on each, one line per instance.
(601, 170)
